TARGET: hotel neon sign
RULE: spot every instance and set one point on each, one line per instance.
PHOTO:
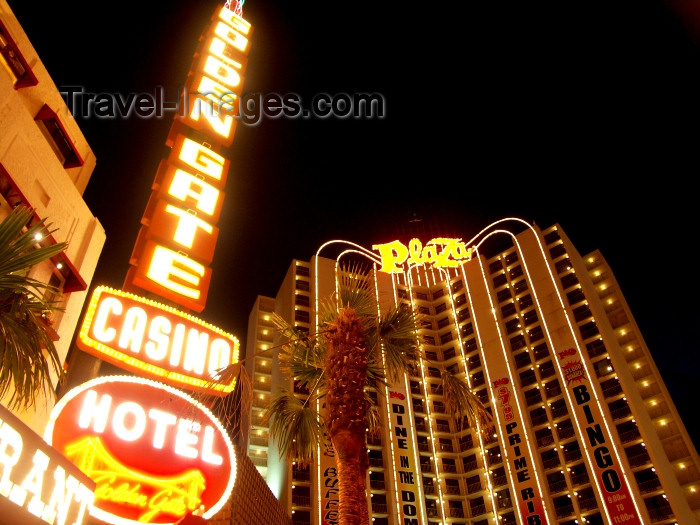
(441, 252)
(154, 452)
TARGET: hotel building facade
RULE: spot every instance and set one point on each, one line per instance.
(586, 431)
(45, 164)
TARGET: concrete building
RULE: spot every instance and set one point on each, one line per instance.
(586, 431)
(46, 163)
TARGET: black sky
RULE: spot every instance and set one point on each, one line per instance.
(584, 114)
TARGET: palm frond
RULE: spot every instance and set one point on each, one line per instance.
(464, 404)
(296, 426)
(18, 243)
(373, 417)
(28, 357)
(356, 290)
(301, 357)
(396, 336)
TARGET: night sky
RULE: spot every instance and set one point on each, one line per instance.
(584, 114)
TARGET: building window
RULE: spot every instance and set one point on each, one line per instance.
(470, 345)
(517, 342)
(512, 326)
(552, 237)
(569, 280)
(467, 330)
(527, 377)
(563, 265)
(522, 359)
(499, 280)
(302, 316)
(59, 140)
(557, 251)
(301, 300)
(520, 286)
(516, 271)
(302, 270)
(14, 62)
(530, 317)
(446, 338)
(525, 301)
(504, 295)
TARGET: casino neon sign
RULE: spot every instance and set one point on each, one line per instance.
(149, 338)
(155, 453)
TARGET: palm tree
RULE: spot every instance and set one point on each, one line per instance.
(355, 351)
(28, 356)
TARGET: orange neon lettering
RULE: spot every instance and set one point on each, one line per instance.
(225, 52)
(187, 226)
(223, 73)
(186, 185)
(168, 265)
(202, 159)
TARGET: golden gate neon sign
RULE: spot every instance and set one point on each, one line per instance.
(441, 252)
(176, 243)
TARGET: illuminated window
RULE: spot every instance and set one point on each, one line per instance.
(59, 140)
(552, 237)
(301, 300)
(557, 251)
(302, 316)
(516, 271)
(13, 61)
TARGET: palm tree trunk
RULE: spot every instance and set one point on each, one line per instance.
(346, 368)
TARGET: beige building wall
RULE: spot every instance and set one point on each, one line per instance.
(46, 163)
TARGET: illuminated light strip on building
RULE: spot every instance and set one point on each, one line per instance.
(607, 505)
(412, 415)
(465, 361)
(528, 507)
(427, 406)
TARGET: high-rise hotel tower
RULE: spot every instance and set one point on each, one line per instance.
(586, 431)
